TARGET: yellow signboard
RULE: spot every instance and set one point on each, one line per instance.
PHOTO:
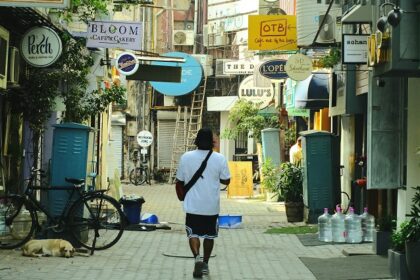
(272, 32)
(240, 179)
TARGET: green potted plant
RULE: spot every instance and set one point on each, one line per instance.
(291, 187)
(396, 254)
(412, 241)
(269, 180)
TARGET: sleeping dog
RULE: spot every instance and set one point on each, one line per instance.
(48, 247)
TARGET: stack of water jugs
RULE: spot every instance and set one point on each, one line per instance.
(350, 228)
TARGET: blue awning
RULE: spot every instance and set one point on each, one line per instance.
(313, 92)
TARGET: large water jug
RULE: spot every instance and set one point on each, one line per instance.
(2, 221)
(324, 227)
(337, 226)
(368, 226)
(353, 225)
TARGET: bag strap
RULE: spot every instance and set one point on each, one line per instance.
(198, 173)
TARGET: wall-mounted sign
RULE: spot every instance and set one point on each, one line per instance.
(355, 49)
(191, 75)
(113, 34)
(254, 94)
(41, 46)
(127, 63)
(272, 32)
(273, 69)
(239, 67)
(36, 3)
(144, 138)
(299, 67)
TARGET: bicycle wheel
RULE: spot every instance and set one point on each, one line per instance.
(143, 175)
(97, 218)
(135, 176)
(17, 223)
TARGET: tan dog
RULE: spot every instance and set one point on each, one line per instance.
(48, 247)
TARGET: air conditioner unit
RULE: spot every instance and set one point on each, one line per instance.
(219, 71)
(221, 40)
(4, 56)
(211, 40)
(183, 37)
(14, 65)
(330, 31)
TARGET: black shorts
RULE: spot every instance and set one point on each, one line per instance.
(201, 226)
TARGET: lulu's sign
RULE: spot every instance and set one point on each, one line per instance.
(255, 94)
(36, 3)
(41, 46)
(112, 34)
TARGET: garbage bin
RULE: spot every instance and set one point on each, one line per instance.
(132, 208)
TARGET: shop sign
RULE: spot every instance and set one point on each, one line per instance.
(272, 32)
(239, 67)
(41, 46)
(126, 63)
(299, 67)
(36, 3)
(274, 69)
(258, 95)
(191, 75)
(113, 34)
(355, 49)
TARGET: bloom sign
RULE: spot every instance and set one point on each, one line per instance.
(112, 34)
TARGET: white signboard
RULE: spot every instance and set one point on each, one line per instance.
(298, 67)
(112, 34)
(355, 48)
(239, 67)
(41, 46)
(36, 3)
(255, 94)
(144, 138)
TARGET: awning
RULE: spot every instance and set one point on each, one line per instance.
(313, 92)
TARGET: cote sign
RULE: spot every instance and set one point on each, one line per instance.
(41, 46)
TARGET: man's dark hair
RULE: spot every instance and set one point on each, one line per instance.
(204, 140)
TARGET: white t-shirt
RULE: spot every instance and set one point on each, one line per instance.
(204, 196)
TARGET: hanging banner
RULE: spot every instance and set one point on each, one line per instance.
(355, 48)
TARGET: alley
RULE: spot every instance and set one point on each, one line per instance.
(244, 253)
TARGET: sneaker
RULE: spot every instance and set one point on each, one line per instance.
(205, 269)
(198, 267)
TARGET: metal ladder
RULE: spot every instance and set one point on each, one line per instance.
(179, 140)
(187, 128)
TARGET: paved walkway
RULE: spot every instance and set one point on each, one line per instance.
(245, 253)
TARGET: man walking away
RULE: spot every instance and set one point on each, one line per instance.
(202, 201)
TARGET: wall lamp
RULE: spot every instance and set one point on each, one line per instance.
(393, 17)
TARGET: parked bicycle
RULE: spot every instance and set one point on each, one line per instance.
(93, 219)
(140, 174)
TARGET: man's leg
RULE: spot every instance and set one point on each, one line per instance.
(208, 245)
(195, 246)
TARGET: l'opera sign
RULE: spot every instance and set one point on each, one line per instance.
(274, 69)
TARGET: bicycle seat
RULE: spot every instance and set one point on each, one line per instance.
(75, 181)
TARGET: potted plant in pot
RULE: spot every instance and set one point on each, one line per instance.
(382, 237)
(396, 255)
(291, 187)
(412, 242)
